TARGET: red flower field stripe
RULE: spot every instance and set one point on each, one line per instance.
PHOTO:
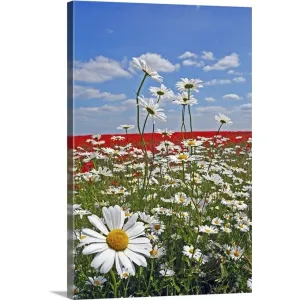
(134, 139)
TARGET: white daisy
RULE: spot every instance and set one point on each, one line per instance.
(143, 66)
(190, 252)
(167, 272)
(165, 132)
(161, 92)
(189, 84)
(126, 127)
(153, 109)
(223, 119)
(236, 252)
(96, 281)
(120, 244)
(183, 99)
(157, 252)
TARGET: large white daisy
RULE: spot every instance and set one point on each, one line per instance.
(120, 244)
(143, 66)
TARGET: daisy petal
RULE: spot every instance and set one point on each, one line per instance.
(142, 240)
(130, 222)
(118, 264)
(97, 222)
(109, 262)
(100, 258)
(92, 233)
(136, 258)
(126, 262)
(139, 249)
(135, 230)
(94, 248)
(107, 218)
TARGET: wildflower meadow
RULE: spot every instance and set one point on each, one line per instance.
(162, 216)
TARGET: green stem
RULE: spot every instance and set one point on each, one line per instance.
(137, 103)
(115, 283)
(145, 125)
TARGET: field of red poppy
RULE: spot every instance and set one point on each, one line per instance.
(134, 139)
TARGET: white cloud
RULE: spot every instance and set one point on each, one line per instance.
(99, 69)
(129, 102)
(189, 62)
(207, 55)
(99, 109)
(246, 107)
(158, 63)
(239, 79)
(212, 109)
(210, 99)
(82, 92)
(249, 95)
(230, 61)
(187, 54)
(217, 82)
(232, 97)
(232, 72)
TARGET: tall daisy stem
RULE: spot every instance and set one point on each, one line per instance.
(137, 104)
(183, 124)
(189, 107)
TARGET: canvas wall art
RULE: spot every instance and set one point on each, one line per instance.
(159, 150)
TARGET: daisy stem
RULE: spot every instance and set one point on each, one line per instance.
(150, 277)
(114, 283)
(189, 107)
(126, 135)
(183, 125)
(153, 140)
(137, 103)
(145, 125)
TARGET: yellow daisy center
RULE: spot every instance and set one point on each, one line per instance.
(150, 110)
(228, 251)
(117, 239)
(191, 143)
(96, 282)
(182, 156)
(189, 86)
(157, 227)
(236, 254)
(153, 252)
(191, 250)
(181, 199)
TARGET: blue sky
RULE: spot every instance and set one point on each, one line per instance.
(206, 42)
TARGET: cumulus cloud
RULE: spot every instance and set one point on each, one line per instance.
(227, 62)
(207, 55)
(189, 62)
(232, 72)
(217, 82)
(157, 63)
(212, 109)
(100, 109)
(239, 79)
(86, 93)
(210, 99)
(232, 97)
(188, 54)
(249, 95)
(99, 69)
